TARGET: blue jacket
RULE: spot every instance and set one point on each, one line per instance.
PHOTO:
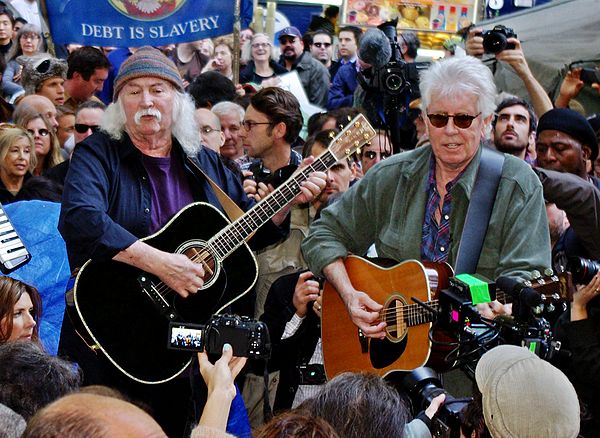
(341, 92)
(106, 203)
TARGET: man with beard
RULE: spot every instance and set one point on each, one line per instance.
(313, 75)
(125, 182)
(514, 128)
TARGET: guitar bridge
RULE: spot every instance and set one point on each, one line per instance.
(157, 298)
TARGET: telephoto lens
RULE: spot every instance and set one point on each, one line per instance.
(582, 270)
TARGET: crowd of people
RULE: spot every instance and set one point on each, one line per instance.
(125, 138)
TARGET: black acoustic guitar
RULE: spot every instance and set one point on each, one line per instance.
(126, 311)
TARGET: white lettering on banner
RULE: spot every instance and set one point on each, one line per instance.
(154, 32)
(192, 26)
(98, 31)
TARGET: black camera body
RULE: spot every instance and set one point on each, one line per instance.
(495, 40)
(248, 337)
(423, 385)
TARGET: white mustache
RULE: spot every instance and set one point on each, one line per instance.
(147, 112)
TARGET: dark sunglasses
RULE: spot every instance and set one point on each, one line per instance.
(319, 45)
(82, 129)
(43, 132)
(371, 155)
(462, 121)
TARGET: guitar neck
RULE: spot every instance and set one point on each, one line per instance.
(232, 236)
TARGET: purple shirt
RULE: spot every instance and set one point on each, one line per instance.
(169, 188)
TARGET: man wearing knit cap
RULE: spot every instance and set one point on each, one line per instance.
(44, 75)
(565, 141)
(525, 396)
(125, 182)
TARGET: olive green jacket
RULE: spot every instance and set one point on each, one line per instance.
(387, 207)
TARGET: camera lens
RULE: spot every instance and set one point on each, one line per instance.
(582, 270)
(494, 42)
(394, 83)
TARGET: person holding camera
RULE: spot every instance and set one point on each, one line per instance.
(504, 45)
(579, 332)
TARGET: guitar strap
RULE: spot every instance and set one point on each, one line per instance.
(479, 211)
(231, 208)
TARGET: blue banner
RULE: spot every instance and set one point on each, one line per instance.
(134, 23)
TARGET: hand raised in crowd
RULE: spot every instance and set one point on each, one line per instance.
(583, 296)
(570, 88)
(515, 57)
(306, 291)
(474, 42)
(219, 378)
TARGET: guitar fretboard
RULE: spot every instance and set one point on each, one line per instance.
(232, 236)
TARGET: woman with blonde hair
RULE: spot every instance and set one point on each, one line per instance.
(17, 160)
(20, 309)
(260, 58)
(47, 146)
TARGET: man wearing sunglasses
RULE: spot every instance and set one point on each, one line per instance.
(322, 50)
(414, 204)
(375, 151)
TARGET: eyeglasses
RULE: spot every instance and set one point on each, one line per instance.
(371, 155)
(249, 124)
(208, 129)
(82, 128)
(462, 121)
(42, 132)
(260, 45)
(319, 45)
(29, 37)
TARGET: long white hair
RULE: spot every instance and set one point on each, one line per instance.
(184, 128)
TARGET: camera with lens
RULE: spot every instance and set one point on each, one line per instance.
(582, 270)
(275, 178)
(495, 40)
(397, 77)
(422, 386)
(248, 337)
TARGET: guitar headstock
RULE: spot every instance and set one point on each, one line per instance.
(358, 132)
(559, 286)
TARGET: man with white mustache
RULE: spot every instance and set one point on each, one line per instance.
(125, 182)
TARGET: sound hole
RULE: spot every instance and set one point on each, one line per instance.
(198, 252)
(394, 314)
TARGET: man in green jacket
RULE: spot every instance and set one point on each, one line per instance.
(413, 205)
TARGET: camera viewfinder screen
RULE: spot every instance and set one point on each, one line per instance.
(186, 338)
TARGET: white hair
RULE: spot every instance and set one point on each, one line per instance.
(184, 127)
(456, 76)
(227, 107)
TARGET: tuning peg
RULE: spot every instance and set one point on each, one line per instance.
(332, 135)
(535, 274)
(548, 272)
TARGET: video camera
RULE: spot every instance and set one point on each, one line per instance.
(422, 386)
(390, 83)
(475, 334)
(248, 337)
